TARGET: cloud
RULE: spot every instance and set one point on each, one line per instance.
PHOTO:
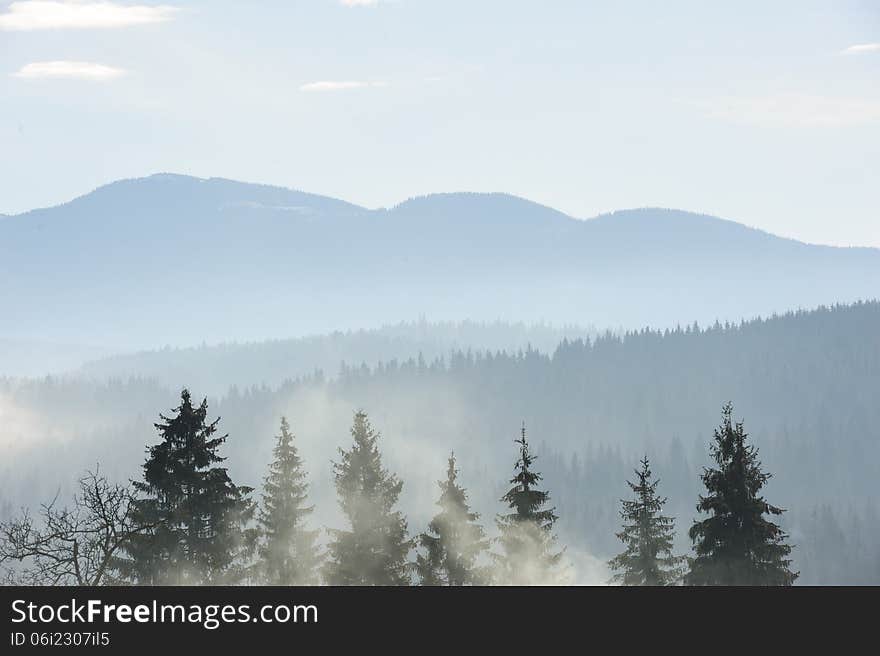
(862, 48)
(32, 15)
(791, 110)
(359, 3)
(70, 70)
(329, 85)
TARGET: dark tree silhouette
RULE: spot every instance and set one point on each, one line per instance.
(288, 551)
(527, 541)
(200, 515)
(454, 540)
(647, 536)
(71, 546)
(373, 550)
(736, 544)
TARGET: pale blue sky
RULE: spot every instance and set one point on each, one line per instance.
(767, 113)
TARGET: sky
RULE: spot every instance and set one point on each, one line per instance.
(766, 113)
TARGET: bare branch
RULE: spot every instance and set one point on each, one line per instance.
(71, 546)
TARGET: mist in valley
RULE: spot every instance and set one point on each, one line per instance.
(450, 319)
(594, 404)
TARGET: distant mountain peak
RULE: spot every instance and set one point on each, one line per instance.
(486, 199)
(492, 211)
(674, 222)
(176, 190)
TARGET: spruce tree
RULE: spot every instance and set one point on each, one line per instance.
(528, 544)
(648, 537)
(736, 544)
(288, 551)
(454, 540)
(373, 550)
(200, 515)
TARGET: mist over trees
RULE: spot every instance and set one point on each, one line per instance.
(289, 552)
(648, 537)
(804, 381)
(529, 554)
(188, 524)
(455, 541)
(374, 549)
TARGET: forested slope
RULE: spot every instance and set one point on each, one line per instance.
(805, 383)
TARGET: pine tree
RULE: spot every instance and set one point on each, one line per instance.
(288, 551)
(528, 545)
(648, 537)
(201, 515)
(373, 551)
(736, 545)
(454, 540)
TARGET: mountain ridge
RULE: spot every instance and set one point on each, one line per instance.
(264, 190)
(174, 259)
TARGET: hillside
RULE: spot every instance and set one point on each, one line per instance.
(214, 369)
(177, 260)
(805, 384)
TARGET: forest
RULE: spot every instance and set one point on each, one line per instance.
(648, 408)
(187, 523)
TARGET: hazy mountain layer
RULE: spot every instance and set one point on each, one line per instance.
(214, 369)
(177, 260)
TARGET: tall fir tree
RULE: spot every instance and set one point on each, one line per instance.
(736, 544)
(288, 550)
(454, 540)
(647, 536)
(529, 555)
(374, 549)
(202, 535)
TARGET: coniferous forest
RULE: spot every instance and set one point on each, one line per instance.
(733, 454)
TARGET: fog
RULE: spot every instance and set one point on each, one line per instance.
(45, 452)
(449, 319)
(801, 382)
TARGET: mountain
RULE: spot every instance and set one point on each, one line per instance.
(172, 259)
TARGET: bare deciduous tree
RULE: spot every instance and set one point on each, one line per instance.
(70, 546)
